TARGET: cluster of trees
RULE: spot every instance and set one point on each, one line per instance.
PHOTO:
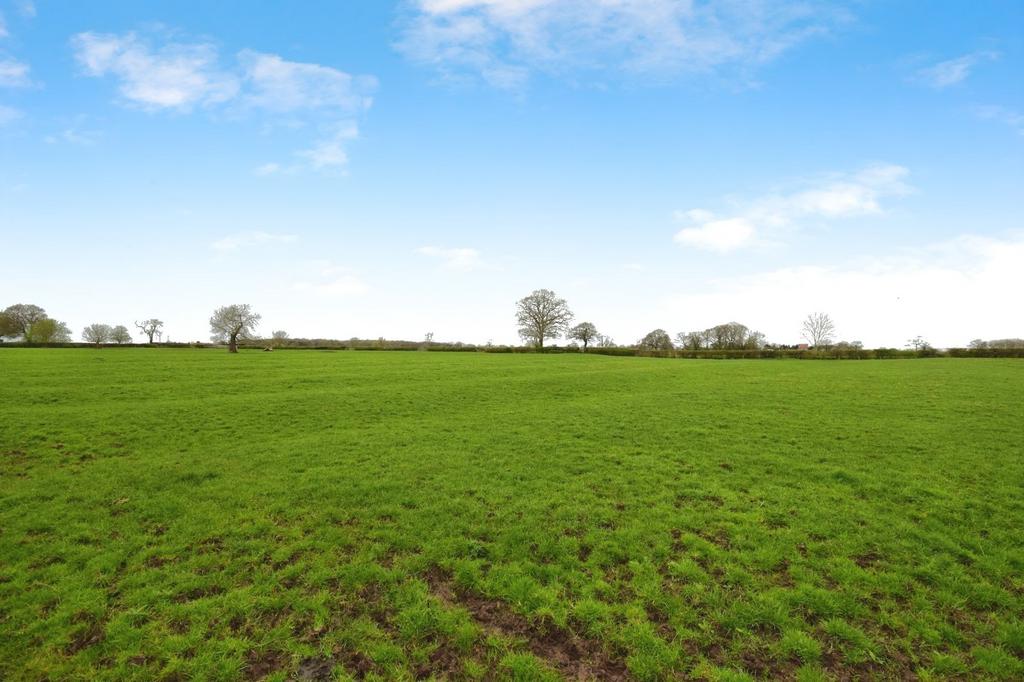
(103, 333)
(31, 324)
(996, 344)
(542, 315)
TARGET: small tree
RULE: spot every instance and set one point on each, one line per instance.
(584, 332)
(656, 340)
(233, 322)
(278, 338)
(604, 341)
(819, 330)
(918, 343)
(120, 334)
(97, 333)
(542, 315)
(978, 344)
(44, 330)
(150, 327)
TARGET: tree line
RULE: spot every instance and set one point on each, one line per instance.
(542, 316)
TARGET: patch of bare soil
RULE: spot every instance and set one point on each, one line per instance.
(261, 664)
(573, 656)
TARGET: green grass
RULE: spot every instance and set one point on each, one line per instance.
(190, 514)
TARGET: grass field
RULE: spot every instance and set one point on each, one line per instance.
(189, 514)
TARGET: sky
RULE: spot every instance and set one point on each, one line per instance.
(367, 169)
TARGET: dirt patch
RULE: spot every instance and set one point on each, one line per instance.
(444, 663)
(317, 669)
(868, 559)
(92, 633)
(198, 593)
(260, 664)
(573, 656)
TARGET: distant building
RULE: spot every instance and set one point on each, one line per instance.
(802, 346)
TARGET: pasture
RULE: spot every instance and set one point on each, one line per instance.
(190, 514)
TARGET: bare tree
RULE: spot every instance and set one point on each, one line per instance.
(918, 343)
(150, 327)
(18, 319)
(120, 334)
(584, 332)
(97, 333)
(604, 341)
(233, 322)
(542, 315)
(819, 330)
(656, 340)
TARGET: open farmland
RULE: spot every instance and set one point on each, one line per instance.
(174, 514)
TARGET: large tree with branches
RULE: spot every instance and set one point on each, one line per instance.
(584, 332)
(819, 330)
(542, 315)
(150, 327)
(231, 323)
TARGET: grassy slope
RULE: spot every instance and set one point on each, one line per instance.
(194, 514)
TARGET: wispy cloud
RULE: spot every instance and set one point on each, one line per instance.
(952, 71)
(158, 75)
(454, 259)
(277, 84)
(14, 74)
(175, 76)
(991, 112)
(329, 151)
(84, 138)
(27, 9)
(836, 196)
(331, 280)
(241, 240)
(266, 169)
(8, 114)
(503, 41)
(3, 27)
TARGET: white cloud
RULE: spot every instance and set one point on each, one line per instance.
(181, 76)
(331, 280)
(243, 239)
(953, 71)
(836, 196)
(14, 74)
(280, 85)
(85, 138)
(27, 9)
(1009, 117)
(718, 235)
(8, 115)
(267, 169)
(174, 76)
(454, 259)
(329, 152)
(949, 293)
(502, 41)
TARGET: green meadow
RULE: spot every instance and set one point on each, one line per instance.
(191, 514)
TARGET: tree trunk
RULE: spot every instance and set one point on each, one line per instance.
(151, 339)
(233, 343)
(584, 345)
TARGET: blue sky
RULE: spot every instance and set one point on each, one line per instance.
(372, 169)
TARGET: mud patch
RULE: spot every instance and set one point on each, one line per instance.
(574, 657)
(261, 664)
(315, 669)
